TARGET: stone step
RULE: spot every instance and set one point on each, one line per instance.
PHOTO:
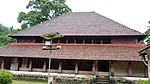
(102, 80)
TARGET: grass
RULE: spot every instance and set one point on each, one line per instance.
(142, 82)
(28, 82)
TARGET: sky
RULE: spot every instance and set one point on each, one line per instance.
(134, 14)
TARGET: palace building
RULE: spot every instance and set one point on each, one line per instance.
(92, 44)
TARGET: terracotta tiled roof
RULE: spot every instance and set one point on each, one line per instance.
(124, 52)
(80, 24)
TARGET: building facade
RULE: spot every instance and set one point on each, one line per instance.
(92, 44)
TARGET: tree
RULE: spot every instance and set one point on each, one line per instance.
(42, 10)
(4, 31)
(4, 40)
(146, 40)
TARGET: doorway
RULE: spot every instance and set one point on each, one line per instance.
(103, 66)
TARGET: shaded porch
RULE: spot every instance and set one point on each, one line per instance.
(70, 66)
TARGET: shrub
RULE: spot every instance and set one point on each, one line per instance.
(5, 77)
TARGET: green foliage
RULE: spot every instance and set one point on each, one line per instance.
(42, 10)
(142, 82)
(4, 40)
(28, 82)
(147, 33)
(3, 29)
(5, 77)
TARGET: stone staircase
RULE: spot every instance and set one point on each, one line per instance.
(102, 80)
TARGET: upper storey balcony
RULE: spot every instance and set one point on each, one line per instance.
(82, 40)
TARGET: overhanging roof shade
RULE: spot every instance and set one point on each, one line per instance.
(80, 24)
(126, 52)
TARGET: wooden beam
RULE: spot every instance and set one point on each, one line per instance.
(60, 67)
(129, 69)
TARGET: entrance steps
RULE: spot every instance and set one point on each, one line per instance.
(102, 80)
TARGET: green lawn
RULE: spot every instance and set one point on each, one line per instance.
(28, 82)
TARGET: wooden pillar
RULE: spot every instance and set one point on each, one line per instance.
(44, 66)
(76, 68)
(30, 65)
(146, 71)
(148, 66)
(101, 41)
(66, 40)
(17, 65)
(2, 63)
(94, 68)
(92, 41)
(129, 69)
(58, 41)
(112, 68)
(75, 41)
(60, 67)
(96, 63)
(83, 41)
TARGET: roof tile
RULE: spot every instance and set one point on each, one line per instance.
(79, 24)
(81, 52)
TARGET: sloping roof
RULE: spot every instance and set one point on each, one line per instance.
(122, 52)
(80, 23)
